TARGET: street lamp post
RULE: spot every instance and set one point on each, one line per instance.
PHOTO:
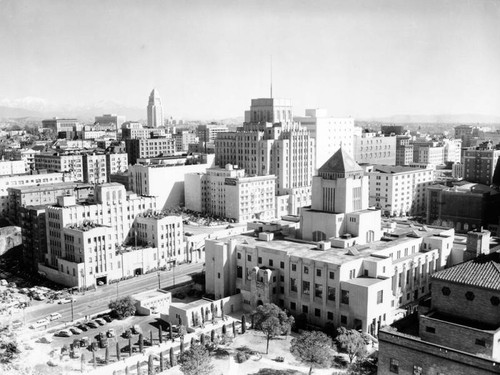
(72, 312)
(159, 283)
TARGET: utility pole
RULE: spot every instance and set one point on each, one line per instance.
(117, 288)
(72, 312)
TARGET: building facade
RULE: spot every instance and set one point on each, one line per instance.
(231, 194)
(329, 134)
(284, 149)
(399, 191)
(149, 148)
(404, 150)
(10, 167)
(116, 120)
(480, 164)
(375, 148)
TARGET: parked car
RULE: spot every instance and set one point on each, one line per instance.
(75, 330)
(39, 297)
(64, 333)
(17, 324)
(92, 324)
(4, 282)
(136, 329)
(82, 327)
(12, 285)
(54, 316)
(39, 323)
(100, 321)
(64, 300)
(111, 333)
(107, 318)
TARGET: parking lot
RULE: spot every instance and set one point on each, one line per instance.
(148, 325)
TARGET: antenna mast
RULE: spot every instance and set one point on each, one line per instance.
(271, 76)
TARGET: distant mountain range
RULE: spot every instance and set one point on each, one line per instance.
(437, 119)
(38, 109)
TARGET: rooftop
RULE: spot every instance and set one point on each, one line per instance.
(395, 169)
(340, 162)
(309, 250)
(482, 272)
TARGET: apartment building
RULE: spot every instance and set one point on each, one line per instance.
(370, 147)
(15, 181)
(27, 155)
(44, 195)
(397, 190)
(10, 167)
(149, 148)
(164, 178)
(33, 231)
(113, 207)
(480, 164)
(404, 150)
(464, 206)
(230, 193)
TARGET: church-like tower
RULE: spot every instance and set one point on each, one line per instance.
(339, 211)
(155, 110)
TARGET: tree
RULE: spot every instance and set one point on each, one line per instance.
(123, 307)
(352, 342)
(151, 366)
(162, 362)
(313, 348)
(141, 342)
(243, 324)
(272, 321)
(117, 350)
(160, 333)
(196, 361)
(182, 332)
(106, 355)
(172, 357)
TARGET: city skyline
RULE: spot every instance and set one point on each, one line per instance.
(361, 59)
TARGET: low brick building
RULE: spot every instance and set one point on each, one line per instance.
(459, 333)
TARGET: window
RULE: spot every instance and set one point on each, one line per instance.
(305, 309)
(318, 272)
(249, 258)
(294, 267)
(318, 290)
(329, 315)
(317, 312)
(394, 366)
(239, 254)
(470, 296)
(293, 306)
(293, 285)
(446, 291)
(306, 285)
(331, 294)
(495, 301)
(343, 319)
(306, 270)
(239, 272)
(332, 275)
(218, 275)
(344, 297)
(480, 342)
(270, 262)
(282, 265)
(259, 260)
(430, 329)
(380, 297)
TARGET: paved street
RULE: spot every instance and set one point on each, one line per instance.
(95, 301)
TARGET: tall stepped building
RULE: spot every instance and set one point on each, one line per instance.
(270, 143)
(155, 110)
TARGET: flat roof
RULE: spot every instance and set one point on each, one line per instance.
(309, 250)
(364, 281)
(149, 294)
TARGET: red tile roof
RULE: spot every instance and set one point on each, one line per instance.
(483, 272)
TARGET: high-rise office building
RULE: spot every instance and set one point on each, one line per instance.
(329, 133)
(272, 144)
(480, 164)
(155, 110)
(107, 119)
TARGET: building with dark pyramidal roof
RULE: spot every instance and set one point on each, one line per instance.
(339, 211)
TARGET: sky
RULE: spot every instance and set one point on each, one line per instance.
(208, 59)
